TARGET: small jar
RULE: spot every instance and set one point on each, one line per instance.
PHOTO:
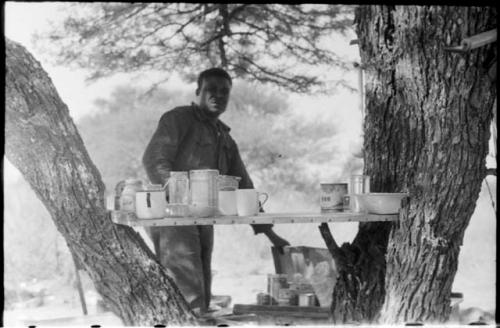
(127, 197)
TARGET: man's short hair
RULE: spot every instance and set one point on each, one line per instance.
(215, 71)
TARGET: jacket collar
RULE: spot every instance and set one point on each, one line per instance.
(201, 116)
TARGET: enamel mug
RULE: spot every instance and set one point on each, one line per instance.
(151, 202)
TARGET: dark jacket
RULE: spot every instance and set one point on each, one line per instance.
(187, 139)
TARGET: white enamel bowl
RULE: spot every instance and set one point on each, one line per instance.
(381, 203)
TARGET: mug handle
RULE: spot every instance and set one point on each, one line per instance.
(265, 200)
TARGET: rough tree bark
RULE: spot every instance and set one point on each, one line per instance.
(426, 133)
(44, 144)
(428, 118)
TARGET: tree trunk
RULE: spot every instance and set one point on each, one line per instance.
(426, 132)
(44, 144)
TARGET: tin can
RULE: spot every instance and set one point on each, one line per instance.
(331, 199)
(275, 282)
(308, 299)
(284, 296)
(263, 299)
(360, 184)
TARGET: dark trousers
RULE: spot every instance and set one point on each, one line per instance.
(186, 253)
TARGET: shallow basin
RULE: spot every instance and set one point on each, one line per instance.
(381, 203)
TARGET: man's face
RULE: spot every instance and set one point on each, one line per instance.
(214, 94)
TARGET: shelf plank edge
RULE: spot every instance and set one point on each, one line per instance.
(129, 218)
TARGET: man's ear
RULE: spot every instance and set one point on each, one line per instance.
(197, 92)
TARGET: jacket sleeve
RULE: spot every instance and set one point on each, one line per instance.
(237, 168)
(160, 154)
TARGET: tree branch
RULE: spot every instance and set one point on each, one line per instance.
(236, 11)
(224, 30)
(128, 37)
(330, 242)
(343, 258)
(292, 45)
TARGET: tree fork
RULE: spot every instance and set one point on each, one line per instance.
(358, 293)
(44, 144)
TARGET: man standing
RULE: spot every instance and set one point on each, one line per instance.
(192, 138)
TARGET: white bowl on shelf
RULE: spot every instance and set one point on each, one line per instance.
(381, 203)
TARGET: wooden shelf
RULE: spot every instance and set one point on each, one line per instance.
(130, 219)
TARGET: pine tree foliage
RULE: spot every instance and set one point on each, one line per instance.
(263, 42)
